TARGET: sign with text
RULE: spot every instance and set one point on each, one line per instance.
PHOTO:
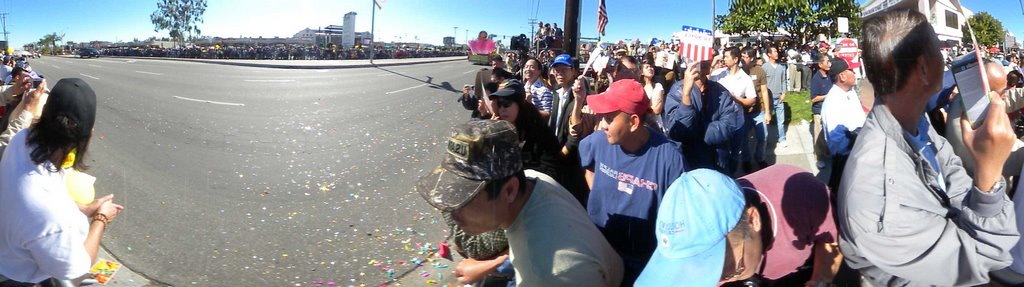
(695, 44)
(849, 51)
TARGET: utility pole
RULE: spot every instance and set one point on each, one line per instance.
(533, 24)
(571, 33)
(712, 19)
(455, 34)
(3, 21)
(467, 36)
(373, 21)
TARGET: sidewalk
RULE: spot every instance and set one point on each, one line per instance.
(800, 149)
(308, 64)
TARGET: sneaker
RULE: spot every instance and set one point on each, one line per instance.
(783, 144)
(821, 164)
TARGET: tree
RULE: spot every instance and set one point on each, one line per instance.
(179, 17)
(49, 42)
(803, 20)
(989, 30)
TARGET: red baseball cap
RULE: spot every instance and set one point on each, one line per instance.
(624, 95)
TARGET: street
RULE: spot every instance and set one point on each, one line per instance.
(244, 176)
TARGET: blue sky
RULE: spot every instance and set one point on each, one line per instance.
(429, 20)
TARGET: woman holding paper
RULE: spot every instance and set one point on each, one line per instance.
(43, 233)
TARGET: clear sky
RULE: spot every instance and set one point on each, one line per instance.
(399, 20)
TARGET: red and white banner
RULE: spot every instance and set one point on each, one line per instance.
(695, 44)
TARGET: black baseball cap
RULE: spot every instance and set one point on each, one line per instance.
(510, 88)
(839, 65)
(75, 99)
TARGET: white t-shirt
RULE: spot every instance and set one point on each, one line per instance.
(653, 91)
(842, 111)
(552, 242)
(739, 84)
(42, 232)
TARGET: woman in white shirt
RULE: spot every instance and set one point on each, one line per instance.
(654, 90)
(43, 233)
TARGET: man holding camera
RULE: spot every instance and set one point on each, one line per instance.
(908, 212)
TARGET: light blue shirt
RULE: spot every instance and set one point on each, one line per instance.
(924, 145)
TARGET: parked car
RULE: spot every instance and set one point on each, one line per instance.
(88, 52)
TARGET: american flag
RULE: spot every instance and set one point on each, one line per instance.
(602, 17)
(695, 44)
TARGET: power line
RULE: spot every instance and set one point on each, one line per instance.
(537, 10)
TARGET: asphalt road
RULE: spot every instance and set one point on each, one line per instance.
(240, 176)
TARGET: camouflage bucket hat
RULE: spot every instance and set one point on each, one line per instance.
(477, 152)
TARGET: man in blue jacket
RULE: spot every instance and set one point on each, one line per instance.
(704, 120)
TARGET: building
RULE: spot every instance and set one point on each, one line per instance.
(944, 16)
(449, 41)
(1010, 42)
(348, 38)
(342, 36)
(306, 35)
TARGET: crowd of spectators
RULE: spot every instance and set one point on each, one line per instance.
(279, 52)
(676, 180)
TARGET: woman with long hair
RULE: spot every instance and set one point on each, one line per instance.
(44, 235)
(654, 90)
(540, 148)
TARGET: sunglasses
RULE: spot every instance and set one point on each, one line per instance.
(504, 103)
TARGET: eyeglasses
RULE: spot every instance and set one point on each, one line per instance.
(740, 266)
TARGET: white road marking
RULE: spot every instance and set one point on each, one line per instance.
(130, 61)
(55, 66)
(109, 61)
(97, 66)
(210, 102)
(94, 78)
(470, 71)
(386, 74)
(149, 73)
(270, 81)
(406, 89)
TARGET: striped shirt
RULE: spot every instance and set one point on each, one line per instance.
(541, 95)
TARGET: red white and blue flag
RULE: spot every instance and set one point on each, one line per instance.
(695, 44)
(602, 17)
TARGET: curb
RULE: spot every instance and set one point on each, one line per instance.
(287, 66)
(125, 277)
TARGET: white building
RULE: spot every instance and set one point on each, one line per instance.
(944, 16)
(348, 38)
(306, 35)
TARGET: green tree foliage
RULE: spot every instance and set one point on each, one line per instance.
(49, 42)
(989, 29)
(802, 19)
(179, 17)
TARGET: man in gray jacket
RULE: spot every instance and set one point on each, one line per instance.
(908, 213)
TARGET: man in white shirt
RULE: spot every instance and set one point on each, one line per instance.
(741, 87)
(842, 115)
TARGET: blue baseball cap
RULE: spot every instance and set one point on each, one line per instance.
(695, 215)
(562, 59)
